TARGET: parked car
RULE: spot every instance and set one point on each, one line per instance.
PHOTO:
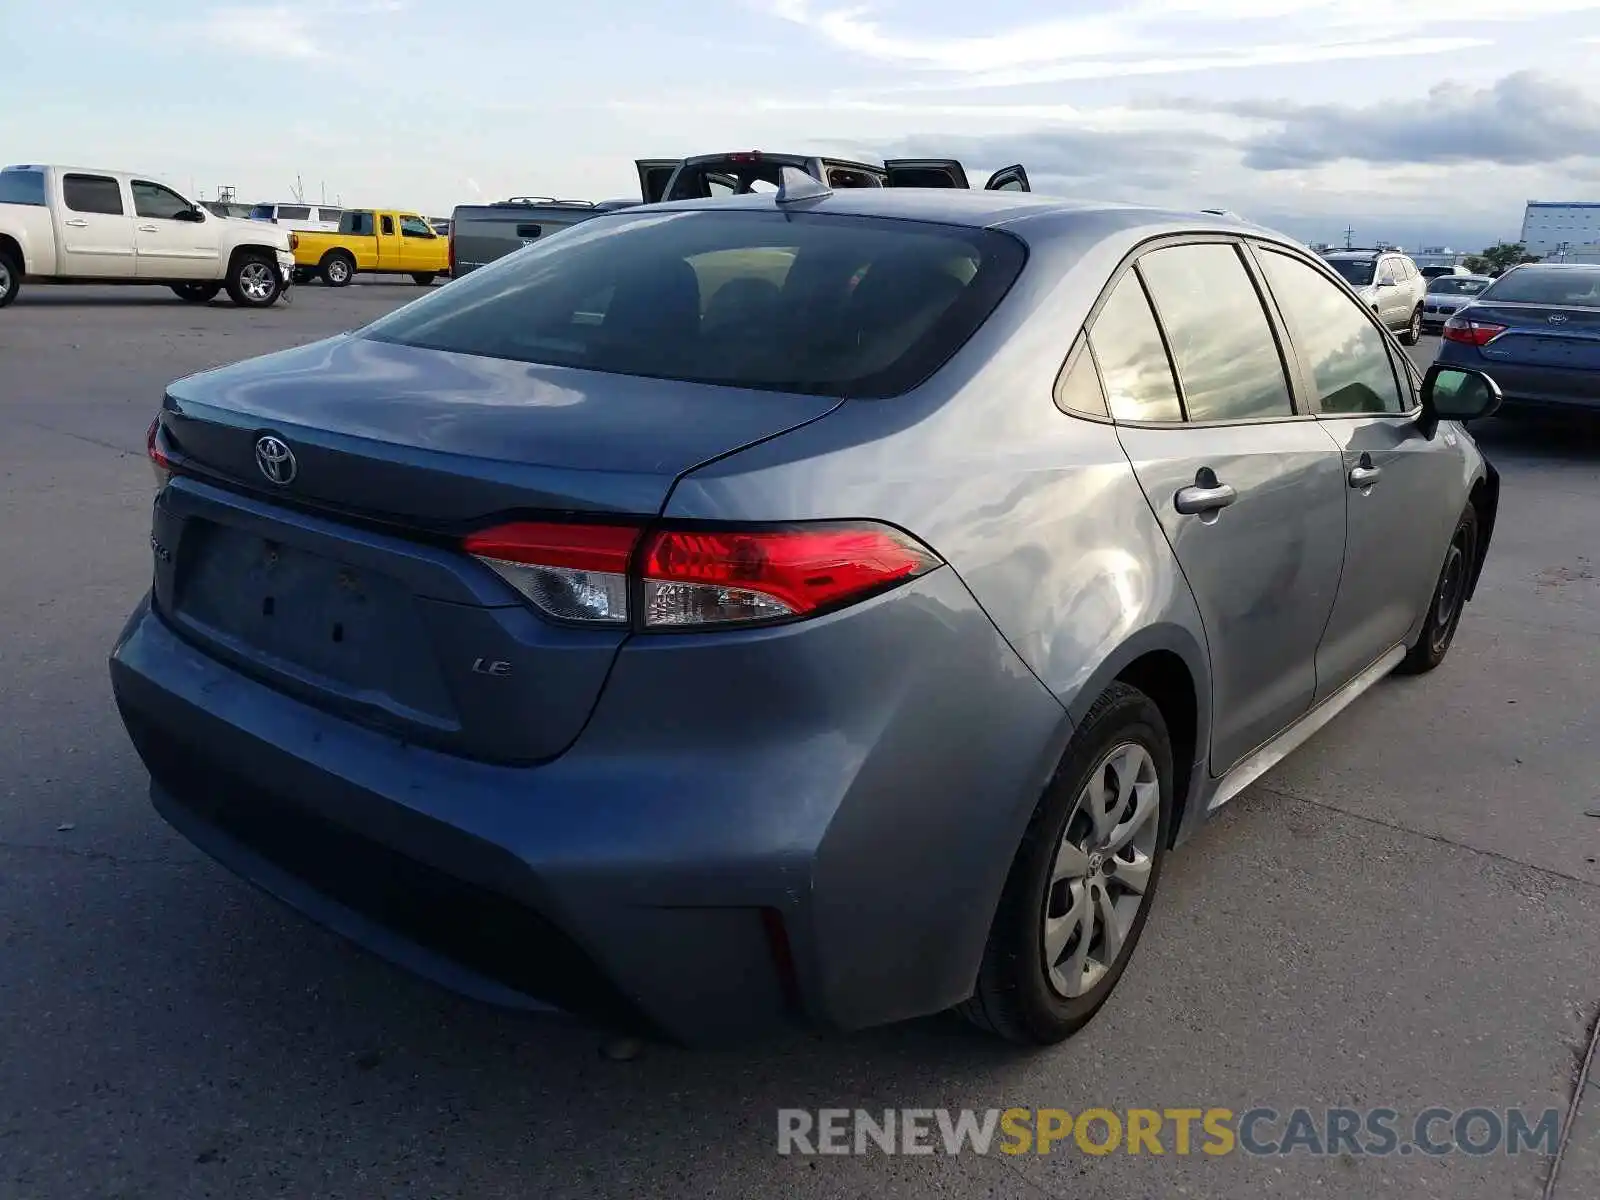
(1436, 272)
(1387, 282)
(381, 242)
(1447, 293)
(825, 607)
(481, 233)
(226, 208)
(79, 225)
(1536, 330)
(708, 176)
(489, 232)
(311, 218)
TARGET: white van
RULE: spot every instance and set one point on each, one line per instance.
(299, 216)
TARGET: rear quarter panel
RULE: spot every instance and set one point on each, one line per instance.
(313, 246)
(32, 228)
(1038, 512)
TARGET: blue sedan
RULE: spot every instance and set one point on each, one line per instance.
(1536, 332)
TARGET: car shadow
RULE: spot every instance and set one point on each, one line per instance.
(1549, 438)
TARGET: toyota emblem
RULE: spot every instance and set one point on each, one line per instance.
(1557, 319)
(276, 460)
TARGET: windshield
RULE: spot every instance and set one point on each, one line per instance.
(1456, 285)
(1356, 271)
(1576, 286)
(793, 302)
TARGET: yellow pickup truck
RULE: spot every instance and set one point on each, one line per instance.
(385, 242)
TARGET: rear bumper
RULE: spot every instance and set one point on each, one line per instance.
(1530, 388)
(718, 856)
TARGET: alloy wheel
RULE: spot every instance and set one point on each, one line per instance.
(1102, 870)
(256, 282)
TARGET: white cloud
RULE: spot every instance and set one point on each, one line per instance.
(276, 32)
(302, 32)
(1151, 37)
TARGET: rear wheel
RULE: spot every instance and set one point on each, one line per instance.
(1449, 598)
(10, 279)
(1081, 884)
(253, 281)
(1413, 331)
(196, 293)
(338, 269)
(423, 278)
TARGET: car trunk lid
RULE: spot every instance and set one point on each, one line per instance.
(345, 584)
(1538, 335)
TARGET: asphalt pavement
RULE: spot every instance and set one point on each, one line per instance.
(1405, 914)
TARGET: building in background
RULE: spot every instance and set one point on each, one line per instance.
(1547, 225)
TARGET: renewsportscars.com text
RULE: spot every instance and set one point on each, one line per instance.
(1263, 1132)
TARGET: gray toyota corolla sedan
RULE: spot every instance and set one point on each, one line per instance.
(808, 607)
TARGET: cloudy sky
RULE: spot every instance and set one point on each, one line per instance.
(1421, 121)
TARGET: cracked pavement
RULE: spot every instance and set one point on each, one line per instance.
(1405, 913)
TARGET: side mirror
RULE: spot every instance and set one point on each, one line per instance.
(1457, 394)
(189, 214)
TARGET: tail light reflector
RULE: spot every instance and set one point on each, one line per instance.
(570, 572)
(695, 578)
(1469, 332)
(450, 249)
(159, 462)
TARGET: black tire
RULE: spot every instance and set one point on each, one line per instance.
(337, 268)
(253, 281)
(1014, 996)
(1448, 599)
(1412, 334)
(10, 279)
(303, 275)
(196, 293)
(423, 278)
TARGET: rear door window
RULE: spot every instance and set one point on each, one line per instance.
(1222, 344)
(797, 302)
(1348, 357)
(293, 212)
(92, 194)
(22, 187)
(1134, 369)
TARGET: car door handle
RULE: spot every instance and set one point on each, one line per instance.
(1194, 500)
(77, 223)
(1365, 477)
(149, 229)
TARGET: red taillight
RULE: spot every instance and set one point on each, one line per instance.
(1469, 332)
(159, 462)
(294, 241)
(713, 577)
(572, 572)
(450, 247)
(695, 578)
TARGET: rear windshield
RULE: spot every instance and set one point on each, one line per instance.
(1578, 286)
(791, 302)
(1357, 271)
(1456, 285)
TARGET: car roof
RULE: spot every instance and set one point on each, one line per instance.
(1021, 212)
(1550, 266)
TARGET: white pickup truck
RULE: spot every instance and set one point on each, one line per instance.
(69, 225)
